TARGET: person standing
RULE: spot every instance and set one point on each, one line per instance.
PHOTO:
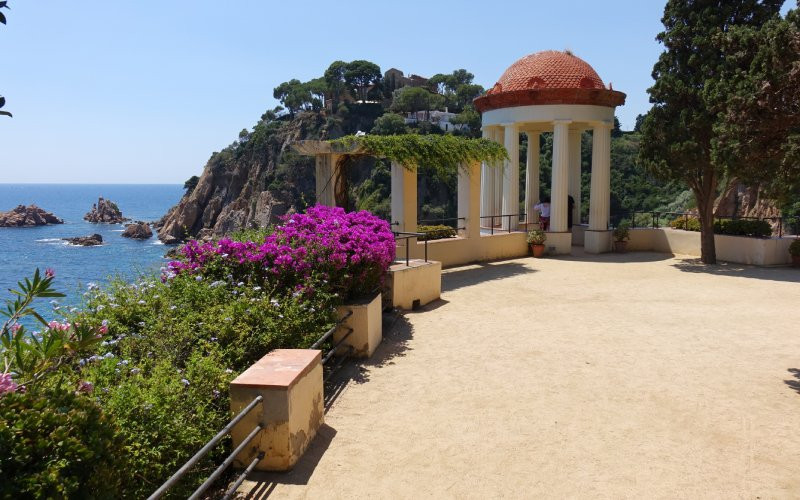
(543, 207)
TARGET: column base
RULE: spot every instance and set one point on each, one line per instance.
(597, 241)
(559, 243)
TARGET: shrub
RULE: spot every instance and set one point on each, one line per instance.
(439, 232)
(536, 237)
(743, 227)
(686, 223)
(349, 252)
(58, 444)
(622, 231)
(794, 248)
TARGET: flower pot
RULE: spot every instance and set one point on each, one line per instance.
(620, 246)
(795, 260)
(538, 250)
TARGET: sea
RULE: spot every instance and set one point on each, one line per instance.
(23, 250)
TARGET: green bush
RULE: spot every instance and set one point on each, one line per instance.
(733, 227)
(58, 444)
(743, 227)
(690, 223)
(439, 232)
(794, 248)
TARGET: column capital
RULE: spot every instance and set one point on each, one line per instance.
(603, 125)
(511, 125)
(564, 121)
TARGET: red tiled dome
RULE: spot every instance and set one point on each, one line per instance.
(549, 77)
(549, 69)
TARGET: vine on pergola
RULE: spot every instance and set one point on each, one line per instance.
(444, 154)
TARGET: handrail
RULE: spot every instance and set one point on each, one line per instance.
(501, 216)
(204, 450)
(656, 216)
(403, 235)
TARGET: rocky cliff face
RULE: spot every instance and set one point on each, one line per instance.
(105, 211)
(29, 216)
(249, 184)
(746, 201)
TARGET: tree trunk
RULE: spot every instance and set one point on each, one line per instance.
(708, 250)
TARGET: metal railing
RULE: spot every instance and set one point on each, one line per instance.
(657, 219)
(225, 464)
(522, 218)
(327, 356)
(400, 235)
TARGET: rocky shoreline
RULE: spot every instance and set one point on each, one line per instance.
(29, 216)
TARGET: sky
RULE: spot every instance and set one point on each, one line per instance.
(144, 92)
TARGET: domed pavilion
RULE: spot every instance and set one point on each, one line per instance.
(556, 92)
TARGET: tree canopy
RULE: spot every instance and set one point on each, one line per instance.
(360, 75)
(690, 97)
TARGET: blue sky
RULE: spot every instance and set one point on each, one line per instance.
(143, 92)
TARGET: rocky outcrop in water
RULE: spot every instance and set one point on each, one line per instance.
(29, 216)
(86, 241)
(249, 184)
(105, 211)
(138, 231)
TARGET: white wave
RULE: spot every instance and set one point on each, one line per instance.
(157, 242)
(117, 230)
(48, 240)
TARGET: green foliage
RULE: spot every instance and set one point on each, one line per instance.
(690, 96)
(390, 124)
(536, 237)
(58, 444)
(257, 234)
(734, 227)
(413, 99)
(294, 95)
(438, 232)
(190, 184)
(794, 248)
(360, 75)
(743, 227)
(622, 231)
(443, 153)
(457, 89)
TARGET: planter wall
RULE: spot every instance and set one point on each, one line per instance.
(366, 324)
(418, 283)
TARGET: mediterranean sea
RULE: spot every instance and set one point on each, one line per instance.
(22, 250)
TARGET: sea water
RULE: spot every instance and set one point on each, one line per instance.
(22, 250)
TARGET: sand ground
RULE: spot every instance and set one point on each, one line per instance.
(636, 376)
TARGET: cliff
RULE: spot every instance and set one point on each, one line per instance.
(248, 184)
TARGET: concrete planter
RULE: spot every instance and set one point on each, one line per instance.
(366, 324)
(414, 285)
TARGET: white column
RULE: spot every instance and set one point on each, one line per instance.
(499, 137)
(404, 199)
(575, 173)
(560, 184)
(487, 181)
(600, 191)
(469, 189)
(532, 175)
(511, 178)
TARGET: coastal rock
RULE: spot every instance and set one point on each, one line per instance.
(105, 211)
(29, 216)
(740, 200)
(86, 241)
(245, 185)
(138, 230)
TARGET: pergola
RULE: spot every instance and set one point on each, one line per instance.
(554, 92)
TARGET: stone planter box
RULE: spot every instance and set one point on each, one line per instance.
(416, 284)
(366, 324)
(290, 381)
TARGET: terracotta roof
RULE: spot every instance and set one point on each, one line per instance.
(549, 77)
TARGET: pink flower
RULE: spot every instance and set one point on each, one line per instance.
(49, 273)
(85, 386)
(7, 384)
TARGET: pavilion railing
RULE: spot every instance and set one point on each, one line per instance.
(407, 237)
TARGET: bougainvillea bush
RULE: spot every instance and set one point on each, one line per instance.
(349, 253)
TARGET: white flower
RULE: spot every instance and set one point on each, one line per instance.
(100, 308)
(172, 308)
(256, 288)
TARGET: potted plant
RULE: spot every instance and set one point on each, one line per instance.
(794, 251)
(621, 236)
(536, 239)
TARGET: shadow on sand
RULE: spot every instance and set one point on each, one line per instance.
(786, 274)
(795, 383)
(475, 274)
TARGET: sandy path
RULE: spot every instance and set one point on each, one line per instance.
(611, 376)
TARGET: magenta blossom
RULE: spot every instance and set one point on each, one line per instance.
(7, 383)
